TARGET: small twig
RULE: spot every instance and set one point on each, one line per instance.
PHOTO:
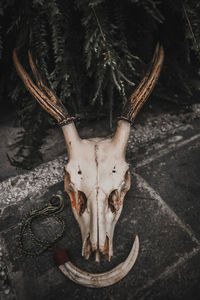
(115, 80)
(125, 78)
(101, 31)
(103, 36)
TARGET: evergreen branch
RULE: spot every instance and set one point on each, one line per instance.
(101, 31)
(84, 48)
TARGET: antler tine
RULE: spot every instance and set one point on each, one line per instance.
(144, 89)
(138, 98)
(39, 81)
(42, 94)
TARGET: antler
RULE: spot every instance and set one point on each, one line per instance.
(144, 89)
(54, 106)
(48, 100)
(139, 97)
(42, 93)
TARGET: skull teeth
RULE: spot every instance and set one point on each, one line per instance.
(88, 248)
(97, 256)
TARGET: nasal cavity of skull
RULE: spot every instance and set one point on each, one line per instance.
(114, 201)
(82, 203)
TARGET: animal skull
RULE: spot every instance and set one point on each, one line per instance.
(97, 177)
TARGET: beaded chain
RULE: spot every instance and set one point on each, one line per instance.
(54, 207)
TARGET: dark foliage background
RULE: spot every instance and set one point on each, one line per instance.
(92, 53)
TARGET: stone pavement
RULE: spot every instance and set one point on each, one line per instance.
(162, 206)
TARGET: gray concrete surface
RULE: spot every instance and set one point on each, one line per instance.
(162, 207)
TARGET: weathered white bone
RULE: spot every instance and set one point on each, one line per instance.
(121, 136)
(97, 179)
(72, 138)
(103, 279)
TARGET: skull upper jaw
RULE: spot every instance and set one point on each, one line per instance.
(97, 215)
(97, 228)
(104, 243)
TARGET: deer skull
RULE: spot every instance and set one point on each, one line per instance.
(97, 177)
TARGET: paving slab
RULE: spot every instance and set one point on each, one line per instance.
(174, 172)
(181, 283)
(162, 242)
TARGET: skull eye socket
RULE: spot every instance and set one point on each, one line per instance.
(82, 202)
(114, 201)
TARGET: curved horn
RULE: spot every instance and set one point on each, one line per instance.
(139, 97)
(102, 279)
(47, 99)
